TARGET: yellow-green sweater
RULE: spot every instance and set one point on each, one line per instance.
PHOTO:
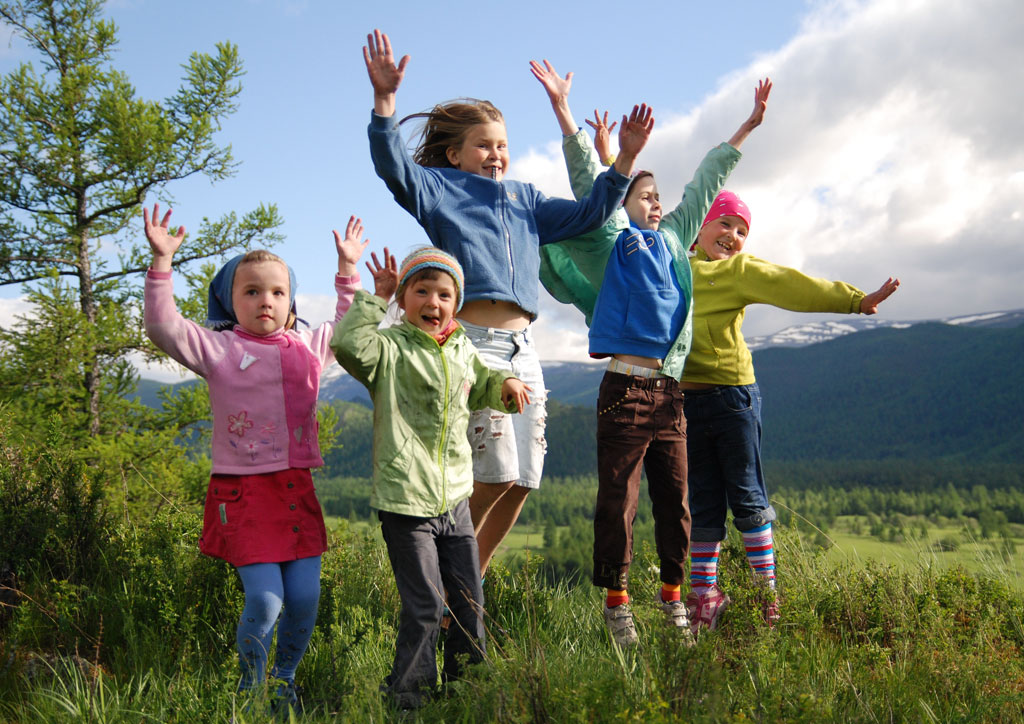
(721, 292)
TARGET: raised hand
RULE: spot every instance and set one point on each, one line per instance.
(385, 76)
(869, 304)
(602, 136)
(514, 391)
(761, 93)
(350, 248)
(160, 239)
(633, 134)
(557, 88)
(385, 276)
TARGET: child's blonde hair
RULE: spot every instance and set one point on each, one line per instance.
(447, 125)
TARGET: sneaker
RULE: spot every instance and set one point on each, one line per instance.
(284, 698)
(707, 608)
(676, 616)
(770, 608)
(619, 620)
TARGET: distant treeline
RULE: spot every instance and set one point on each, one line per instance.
(564, 509)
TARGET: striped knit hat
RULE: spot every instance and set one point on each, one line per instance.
(428, 257)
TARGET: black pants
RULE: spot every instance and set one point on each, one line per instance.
(429, 556)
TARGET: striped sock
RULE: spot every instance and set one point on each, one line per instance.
(616, 598)
(760, 552)
(669, 592)
(704, 565)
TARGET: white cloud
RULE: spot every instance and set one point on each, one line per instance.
(890, 147)
(10, 309)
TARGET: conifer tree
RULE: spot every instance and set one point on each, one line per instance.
(80, 152)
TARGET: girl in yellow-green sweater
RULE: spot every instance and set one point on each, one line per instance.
(722, 403)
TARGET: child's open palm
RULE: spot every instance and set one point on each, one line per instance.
(556, 86)
(635, 130)
(158, 234)
(385, 76)
(350, 248)
(602, 135)
(385, 276)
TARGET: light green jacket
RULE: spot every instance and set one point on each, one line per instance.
(721, 292)
(422, 394)
(572, 270)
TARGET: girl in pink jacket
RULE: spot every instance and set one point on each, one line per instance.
(261, 515)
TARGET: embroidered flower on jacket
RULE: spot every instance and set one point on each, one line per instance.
(251, 447)
(238, 424)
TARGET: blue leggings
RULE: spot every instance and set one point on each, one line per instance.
(268, 586)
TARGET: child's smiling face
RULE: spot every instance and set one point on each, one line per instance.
(260, 296)
(483, 151)
(723, 237)
(643, 205)
(429, 304)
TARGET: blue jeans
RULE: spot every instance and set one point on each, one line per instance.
(723, 447)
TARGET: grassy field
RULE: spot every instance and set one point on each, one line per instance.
(858, 642)
(912, 553)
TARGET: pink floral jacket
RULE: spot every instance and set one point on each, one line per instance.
(263, 390)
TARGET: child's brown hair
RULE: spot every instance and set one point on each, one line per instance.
(447, 125)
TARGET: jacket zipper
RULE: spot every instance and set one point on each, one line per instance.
(508, 241)
(441, 458)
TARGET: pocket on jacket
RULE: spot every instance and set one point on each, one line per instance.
(643, 321)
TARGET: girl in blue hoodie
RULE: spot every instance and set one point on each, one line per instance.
(455, 186)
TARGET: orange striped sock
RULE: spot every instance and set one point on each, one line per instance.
(670, 592)
(616, 598)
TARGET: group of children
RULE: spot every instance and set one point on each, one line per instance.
(457, 388)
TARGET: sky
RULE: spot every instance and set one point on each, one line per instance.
(891, 145)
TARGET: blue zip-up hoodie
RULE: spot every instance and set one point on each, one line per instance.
(493, 228)
(641, 307)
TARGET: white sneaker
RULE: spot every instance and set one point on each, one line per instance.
(619, 620)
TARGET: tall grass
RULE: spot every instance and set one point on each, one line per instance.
(861, 642)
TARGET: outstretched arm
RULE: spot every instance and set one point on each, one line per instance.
(761, 93)
(603, 137)
(557, 88)
(633, 134)
(869, 304)
(385, 76)
(350, 248)
(160, 240)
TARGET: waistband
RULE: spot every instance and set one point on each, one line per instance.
(496, 333)
(659, 382)
(624, 368)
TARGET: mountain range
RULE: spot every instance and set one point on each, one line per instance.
(859, 390)
(576, 383)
